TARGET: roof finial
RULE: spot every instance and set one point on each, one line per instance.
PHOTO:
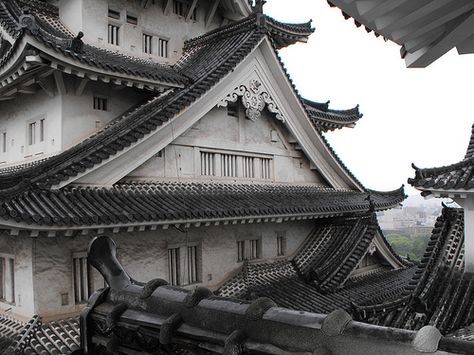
(371, 203)
(258, 7)
(77, 44)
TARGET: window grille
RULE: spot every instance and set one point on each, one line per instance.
(147, 44)
(248, 167)
(265, 168)
(192, 256)
(163, 47)
(133, 20)
(113, 36)
(100, 103)
(281, 245)
(4, 142)
(32, 133)
(254, 250)
(229, 165)
(178, 8)
(41, 128)
(7, 279)
(114, 14)
(82, 279)
(207, 164)
(174, 266)
(241, 250)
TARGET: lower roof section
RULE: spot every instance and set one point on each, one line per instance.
(161, 203)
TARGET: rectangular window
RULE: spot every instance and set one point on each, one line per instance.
(178, 7)
(254, 250)
(113, 35)
(174, 266)
(248, 167)
(147, 43)
(133, 20)
(229, 165)
(41, 128)
(114, 14)
(265, 168)
(82, 279)
(241, 250)
(163, 47)
(32, 133)
(100, 103)
(281, 245)
(4, 142)
(192, 256)
(208, 164)
(7, 279)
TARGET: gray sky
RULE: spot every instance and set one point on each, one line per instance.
(410, 115)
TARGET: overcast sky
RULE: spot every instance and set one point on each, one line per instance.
(422, 116)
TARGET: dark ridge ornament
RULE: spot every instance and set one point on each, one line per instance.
(77, 44)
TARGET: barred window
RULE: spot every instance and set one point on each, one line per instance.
(265, 168)
(248, 167)
(208, 164)
(179, 8)
(254, 250)
(147, 44)
(82, 279)
(114, 14)
(32, 133)
(241, 250)
(133, 20)
(229, 165)
(113, 34)
(281, 245)
(174, 266)
(7, 279)
(192, 261)
(163, 47)
(4, 142)
(100, 103)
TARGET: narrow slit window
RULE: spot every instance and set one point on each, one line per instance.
(113, 34)
(192, 261)
(147, 44)
(41, 130)
(265, 168)
(174, 266)
(7, 279)
(82, 279)
(254, 252)
(32, 133)
(281, 245)
(132, 20)
(163, 47)
(114, 14)
(241, 250)
(4, 142)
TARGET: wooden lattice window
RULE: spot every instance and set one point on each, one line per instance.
(82, 279)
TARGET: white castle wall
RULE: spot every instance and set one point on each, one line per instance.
(143, 254)
(90, 16)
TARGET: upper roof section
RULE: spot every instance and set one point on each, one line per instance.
(458, 176)
(426, 29)
(326, 119)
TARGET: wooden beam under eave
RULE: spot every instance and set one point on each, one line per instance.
(211, 13)
(191, 10)
(7, 98)
(167, 4)
(46, 87)
(27, 90)
(82, 85)
(59, 79)
(145, 3)
(458, 34)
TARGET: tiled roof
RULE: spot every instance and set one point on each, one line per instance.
(130, 203)
(42, 23)
(326, 119)
(316, 277)
(439, 293)
(54, 338)
(459, 176)
(10, 328)
(133, 317)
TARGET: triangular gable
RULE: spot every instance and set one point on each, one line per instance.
(278, 96)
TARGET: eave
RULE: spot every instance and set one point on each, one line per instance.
(425, 30)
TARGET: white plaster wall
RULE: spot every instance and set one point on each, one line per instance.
(21, 249)
(145, 256)
(14, 118)
(91, 17)
(235, 135)
(80, 120)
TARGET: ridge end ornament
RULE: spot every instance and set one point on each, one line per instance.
(254, 99)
